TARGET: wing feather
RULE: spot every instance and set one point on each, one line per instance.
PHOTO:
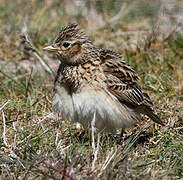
(121, 81)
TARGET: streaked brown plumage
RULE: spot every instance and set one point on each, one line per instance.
(94, 80)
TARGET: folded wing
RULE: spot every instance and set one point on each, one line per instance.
(121, 81)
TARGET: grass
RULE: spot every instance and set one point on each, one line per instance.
(37, 144)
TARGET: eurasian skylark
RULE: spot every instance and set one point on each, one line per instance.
(92, 80)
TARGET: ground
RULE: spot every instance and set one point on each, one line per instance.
(36, 143)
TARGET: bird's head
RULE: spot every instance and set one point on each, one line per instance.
(70, 44)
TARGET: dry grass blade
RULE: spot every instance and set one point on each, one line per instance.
(109, 158)
(2, 107)
(95, 148)
(119, 14)
(4, 130)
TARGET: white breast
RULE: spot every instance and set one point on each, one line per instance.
(62, 102)
(81, 106)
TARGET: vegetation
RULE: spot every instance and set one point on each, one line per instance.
(35, 143)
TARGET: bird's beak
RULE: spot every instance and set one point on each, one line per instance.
(50, 48)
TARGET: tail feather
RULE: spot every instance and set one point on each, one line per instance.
(155, 118)
(150, 113)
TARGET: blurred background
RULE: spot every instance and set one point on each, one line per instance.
(120, 24)
(35, 143)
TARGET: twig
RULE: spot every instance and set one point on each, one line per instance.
(45, 65)
(35, 50)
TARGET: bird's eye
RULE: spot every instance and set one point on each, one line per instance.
(66, 44)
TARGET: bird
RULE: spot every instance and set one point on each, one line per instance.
(96, 85)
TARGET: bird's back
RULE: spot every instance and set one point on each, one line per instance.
(122, 82)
